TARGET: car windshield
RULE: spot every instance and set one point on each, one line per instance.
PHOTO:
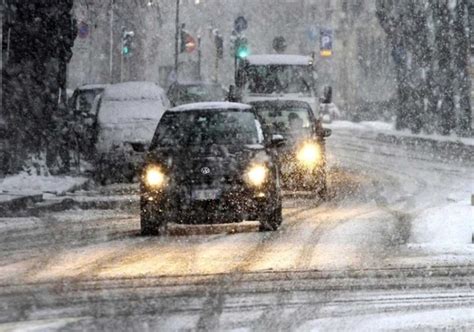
(278, 79)
(290, 121)
(207, 127)
(199, 93)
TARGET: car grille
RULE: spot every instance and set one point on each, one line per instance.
(210, 173)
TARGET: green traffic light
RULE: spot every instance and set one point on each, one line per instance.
(125, 50)
(243, 52)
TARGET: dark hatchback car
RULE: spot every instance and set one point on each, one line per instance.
(181, 93)
(303, 157)
(210, 163)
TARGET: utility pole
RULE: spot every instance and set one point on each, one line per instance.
(199, 58)
(176, 40)
(122, 55)
(111, 41)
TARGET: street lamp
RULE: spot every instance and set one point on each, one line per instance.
(176, 40)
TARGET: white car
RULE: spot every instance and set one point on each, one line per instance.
(127, 116)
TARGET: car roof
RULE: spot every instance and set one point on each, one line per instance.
(93, 86)
(279, 59)
(214, 105)
(133, 91)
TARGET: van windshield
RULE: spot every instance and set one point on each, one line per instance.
(268, 79)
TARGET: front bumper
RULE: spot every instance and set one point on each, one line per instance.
(234, 203)
(296, 177)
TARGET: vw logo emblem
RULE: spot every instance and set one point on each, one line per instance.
(205, 170)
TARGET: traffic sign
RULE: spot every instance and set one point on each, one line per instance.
(83, 30)
(326, 39)
(279, 44)
(312, 33)
(240, 24)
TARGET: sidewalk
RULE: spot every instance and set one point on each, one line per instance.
(448, 146)
(22, 191)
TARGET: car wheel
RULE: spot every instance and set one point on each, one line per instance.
(152, 222)
(323, 192)
(271, 220)
(323, 189)
(99, 176)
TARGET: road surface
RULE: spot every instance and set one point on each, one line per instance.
(343, 264)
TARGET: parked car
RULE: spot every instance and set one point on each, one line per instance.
(127, 116)
(210, 163)
(192, 92)
(303, 158)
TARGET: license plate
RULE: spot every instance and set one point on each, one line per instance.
(205, 194)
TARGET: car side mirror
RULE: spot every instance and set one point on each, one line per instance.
(277, 141)
(327, 132)
(326, 98)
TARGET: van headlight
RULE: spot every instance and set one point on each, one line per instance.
(256, 175)
(154, 177)
(309, 155)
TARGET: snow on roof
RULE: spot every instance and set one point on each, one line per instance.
(93, 86)
(279, 59)
(133, 91)
(211, 106)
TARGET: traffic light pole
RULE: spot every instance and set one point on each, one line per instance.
(122, 55)
(199, 58)
(111, 41)
(216, 76)
(176, 40)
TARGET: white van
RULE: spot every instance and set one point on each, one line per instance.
(128, 114)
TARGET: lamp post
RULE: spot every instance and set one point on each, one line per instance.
(176, 40)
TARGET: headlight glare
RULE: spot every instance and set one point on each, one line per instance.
(256, 175)
(309, 155)
(154, 177)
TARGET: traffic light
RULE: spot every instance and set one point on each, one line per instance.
(188, 43)
(219, 42)
(127, 43)
(242, 49)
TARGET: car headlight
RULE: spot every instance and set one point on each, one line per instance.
(309, 155)
(154, 177)
(256, 175)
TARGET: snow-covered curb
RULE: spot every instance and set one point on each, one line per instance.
(446, 227)
(27, 184)
(389, 129)
(446, 147)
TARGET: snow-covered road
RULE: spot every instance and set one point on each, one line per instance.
(392, 249)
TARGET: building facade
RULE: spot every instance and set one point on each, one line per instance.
(359, 69)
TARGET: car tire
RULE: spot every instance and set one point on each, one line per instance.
(271, 220)
(152, 222)
(100, 172)
(323, 192)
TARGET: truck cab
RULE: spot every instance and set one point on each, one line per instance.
(278, 76)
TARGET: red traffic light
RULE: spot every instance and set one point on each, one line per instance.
(190, 44)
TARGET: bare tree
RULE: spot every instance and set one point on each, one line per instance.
(430, 47)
